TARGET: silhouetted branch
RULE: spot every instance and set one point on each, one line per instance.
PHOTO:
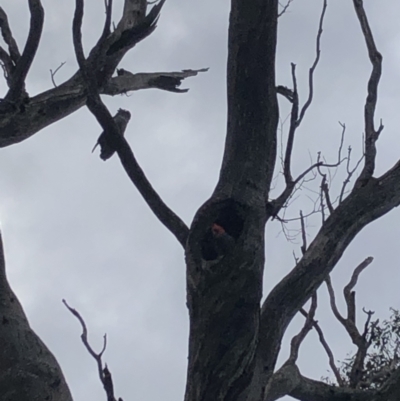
(348, 294)
(53, 73)
(295, 119)
(104, 373)
(314, 66)
(292, 129)
(327, 349)
(371, 135)
(350, 172)
(119, 143)
(24, 62)
(284, 8)
(307, 327)
(130, 37)
(8, 37)
(169, 81)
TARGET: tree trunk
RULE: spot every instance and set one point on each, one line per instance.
(225, 288)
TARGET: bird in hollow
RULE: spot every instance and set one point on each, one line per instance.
(216, 242)
(106, 149)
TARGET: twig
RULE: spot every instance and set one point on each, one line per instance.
(52, 74)
(350, 172)
(314, 66)
(285, 7)
(104, 373)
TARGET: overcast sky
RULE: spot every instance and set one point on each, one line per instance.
(74, 227)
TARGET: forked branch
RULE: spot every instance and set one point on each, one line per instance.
(104, 373)
(118, 142)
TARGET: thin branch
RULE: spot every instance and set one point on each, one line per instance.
(285, 92)
(8, 37)
(104, 373)
(107, 22)
(327, 349)
(314, 66)
(341, 140)
(303, 234)
(53, 73)
(332, 300)
(7, 65)
(275, 205)
(285, 7)
(371, 135)
(350, 172)
(119, 143)
(325, 190)
(307, 327)
(292, 129)
(31, 46)
(166, 216)
(349, 298)
(349, 323)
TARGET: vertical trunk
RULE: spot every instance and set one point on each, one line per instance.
(224, 283)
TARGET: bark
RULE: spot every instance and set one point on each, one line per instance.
(289, 381)
(28, 370)
(224, 294)
(233, 342)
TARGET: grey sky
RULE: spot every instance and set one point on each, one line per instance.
(74, 227)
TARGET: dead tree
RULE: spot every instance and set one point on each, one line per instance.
(234, 339)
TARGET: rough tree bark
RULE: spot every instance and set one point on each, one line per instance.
(234, 340)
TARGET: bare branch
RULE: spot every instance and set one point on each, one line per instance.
(371, 135)
(285, 7)
(348, 294)
(25, 61)
(341, 140)
(8, 37)
(169, 81)
(130, 37)
(275, 205)
(166, 216)
(292, 96)
(116, 141)
(327, 349)
(286, 92)
(104, 373)
(350, 172)
(349, 323)
(325, 190)
(353, 331)
(7, 65)
(292, 129)
(314, 66)
(307, 327)
(53, 73)
(303, 234)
